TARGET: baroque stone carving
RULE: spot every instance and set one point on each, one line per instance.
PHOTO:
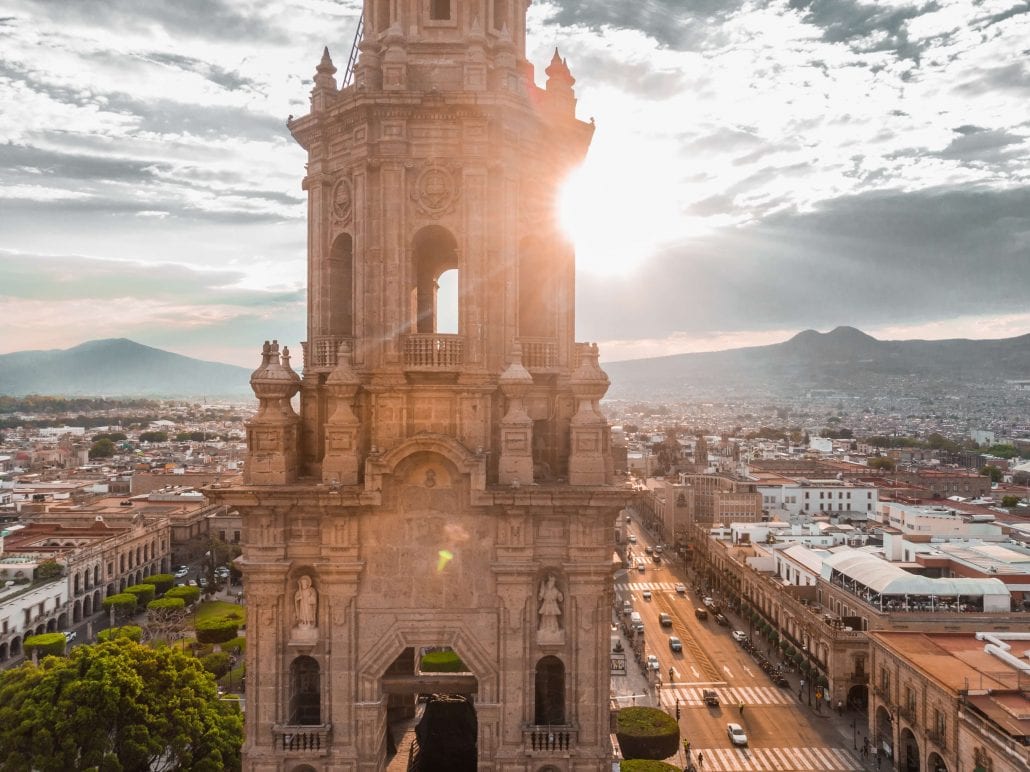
(435, 190)
(550, 610)
(306, 600)
(343, 200)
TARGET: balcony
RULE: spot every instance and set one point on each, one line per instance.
(882, 692)
(555, 740)
(908, 713)
(539, 353)
(308, 739)
(433, 352)
(940, 739)
(320, 352)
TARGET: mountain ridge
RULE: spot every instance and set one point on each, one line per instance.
(117, 367)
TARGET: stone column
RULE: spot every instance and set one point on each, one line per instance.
(343, 429)
(267, 683)
(589, 429)
(515, 464)
(273, 435)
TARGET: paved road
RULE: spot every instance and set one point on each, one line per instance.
(782, 734)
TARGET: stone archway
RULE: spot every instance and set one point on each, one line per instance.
(934, 763)
(884, 728)
(909, 755)
(858, 697)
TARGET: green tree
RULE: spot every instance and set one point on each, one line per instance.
(939, 442)
(116, 706)
(48, 569)
(991, 471)
(881, 462)
(1009, 501)
(102, 448)
(153, 437)
(45, 644)
(120, 605)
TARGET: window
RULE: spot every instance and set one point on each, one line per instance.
(910, 698)
(305, 700)
(939, 723)
(550, 692)
(439, 10)
(885, 679)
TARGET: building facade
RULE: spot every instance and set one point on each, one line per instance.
(446, 487)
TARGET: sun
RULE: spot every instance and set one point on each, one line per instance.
(617, 213)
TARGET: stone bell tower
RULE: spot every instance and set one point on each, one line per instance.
(445, 487)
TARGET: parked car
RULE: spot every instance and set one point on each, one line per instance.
(652, 663)
(721, 620)
(627, 608)
(739, 636)
(675, 643)
(736, 734)
(70, 636)
(708, 602)
(181, 571)
(681, 589)
(665, 620)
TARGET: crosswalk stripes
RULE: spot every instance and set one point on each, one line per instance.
(637, 586)
(728, 695)
(778, 760)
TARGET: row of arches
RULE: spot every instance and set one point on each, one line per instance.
(908, 755)
(435, 305)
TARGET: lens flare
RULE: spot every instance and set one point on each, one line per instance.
(444, 557)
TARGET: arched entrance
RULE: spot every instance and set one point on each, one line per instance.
(858, 697)
(909, 757)
(934, 763)
(884, 731)
(431, 708)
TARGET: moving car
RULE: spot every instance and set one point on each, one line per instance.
(632, 539)
(675, 643)
(646, 595)
(711, 699)
(70, 636)
(181, 571)
(659, 550)
(665, 620)
(736, 734)
(652, 663)
(739, 636)
(627, 608)
(681, 589)
(700, 613)
(648, 550)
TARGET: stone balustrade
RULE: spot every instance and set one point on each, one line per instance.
(311, 739)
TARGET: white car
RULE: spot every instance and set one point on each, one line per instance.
(739, 636)
(681, 589)
(646, 595)
(181, 571)
(70, 636)
(652, 663)
(736, 734)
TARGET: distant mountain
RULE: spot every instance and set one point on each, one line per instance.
(117, 367)
(844, 359)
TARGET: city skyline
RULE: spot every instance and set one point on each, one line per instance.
(757, 169)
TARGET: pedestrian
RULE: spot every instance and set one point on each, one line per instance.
(700, 759)
(741, 708)
(840, 708)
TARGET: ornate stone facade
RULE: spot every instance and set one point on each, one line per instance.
(437, 490)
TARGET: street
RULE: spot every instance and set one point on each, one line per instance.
(782, 733)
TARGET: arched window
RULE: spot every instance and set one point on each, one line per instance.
(305, 692)
(435, 252)
(341, 286)
(550, 692)
(500, 14)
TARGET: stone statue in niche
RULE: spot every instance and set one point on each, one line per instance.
(550, 598)
(306, 600)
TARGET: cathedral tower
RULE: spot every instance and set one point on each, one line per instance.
(445, 488)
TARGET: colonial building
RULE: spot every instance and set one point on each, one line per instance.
(446, 488)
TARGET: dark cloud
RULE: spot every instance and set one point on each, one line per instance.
(227, 79)
(982, 145)
(673, 23)
(1010, 77)
(206, 19)
(51, 164)
(866, 26)
(879, 258)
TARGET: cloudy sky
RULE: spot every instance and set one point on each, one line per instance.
(758, 168)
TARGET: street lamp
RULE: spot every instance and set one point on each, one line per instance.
(811, 671)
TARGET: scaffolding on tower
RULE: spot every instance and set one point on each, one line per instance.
(348, 74)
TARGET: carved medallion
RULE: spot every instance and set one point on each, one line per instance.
(343, 202)
(435, 190)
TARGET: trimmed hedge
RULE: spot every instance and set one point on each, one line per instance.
(647, 733)
(132, 632)
(162, 582)
(442, 662)
(217, 629)
(159, 604)
(646, 765)
(45, 644)
(121, 601)
(217, 664)
(187, 593)
(144, 593)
